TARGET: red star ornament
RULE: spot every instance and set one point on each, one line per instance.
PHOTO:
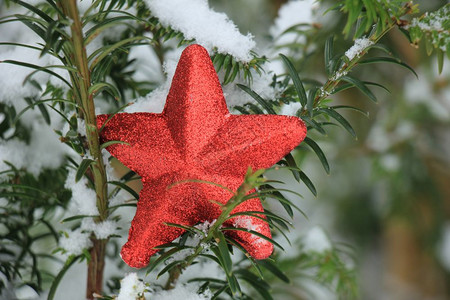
(195, 137)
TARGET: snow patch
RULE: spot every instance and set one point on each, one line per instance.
(261, 85)
(290, 109)
(83, 198)
(316, 240)
(182, 292)
(358, 47)
(196, 20)
(292, 13)
(246, 223)
(44, 151)
(433, 22)
(110, 171)
(131, 287)
(13, 151)
(75, 242)
(102, 230)
(12, 76)
(205, 226)
(154, 101)
(120, 198)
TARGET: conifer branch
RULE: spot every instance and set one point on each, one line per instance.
(251, 181)
(83, 83)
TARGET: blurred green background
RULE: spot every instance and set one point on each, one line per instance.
(388, 194)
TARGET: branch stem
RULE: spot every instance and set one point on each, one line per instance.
(332, 82)
(250, 182)
(82, 81)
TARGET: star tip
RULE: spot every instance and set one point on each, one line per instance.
(195, 49)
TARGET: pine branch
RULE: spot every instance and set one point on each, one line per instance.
(86, 98)
(251, 181)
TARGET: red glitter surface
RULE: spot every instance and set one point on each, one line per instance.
(195, 137)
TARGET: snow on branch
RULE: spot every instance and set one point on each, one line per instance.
(83, 198)
(182, 292)
(131, 287)
(73, 242)
(102, 230)
(357, 48)
(196, 20)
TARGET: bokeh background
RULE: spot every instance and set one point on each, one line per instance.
(388, 194)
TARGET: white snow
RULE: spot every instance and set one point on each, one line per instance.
(358, 47)
(196, 20)
(83, 198)
(205, 226)
(131, 287)
(434, 24)
(14, 152)
(260, 84)
(290, 109)
(81, 127)
(13, 76)
(102, 230)
(292, 13)
(434, 21)
(339, 74)
(182, 292)
(45, 151)
(111, 173)
(246, 223)
(316, 240)
(75, 242)
(146, 64)
(120, 198)
(154, 101)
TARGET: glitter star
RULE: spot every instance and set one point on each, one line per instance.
(195, 137)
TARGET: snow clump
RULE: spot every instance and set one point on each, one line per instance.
(83, 198)
(182, 292)
(102, 230)
(357, 48)
(131, 287)
(196, 20)
(290, 109)
(316, 240)
(75, 241)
